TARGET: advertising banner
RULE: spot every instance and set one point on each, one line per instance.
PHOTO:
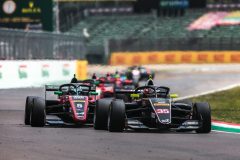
(15, 74)
(27, 14)
(174, 57)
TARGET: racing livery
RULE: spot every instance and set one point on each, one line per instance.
(71, 103)
(152, 107)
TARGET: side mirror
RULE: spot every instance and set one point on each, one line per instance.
(94, 93)
(135, 95)
(173, 95)
(59, 93)
(96, 83)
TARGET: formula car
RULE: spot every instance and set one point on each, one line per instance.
(71, 103)
(152, 107)
(138, 73)
(108, 85)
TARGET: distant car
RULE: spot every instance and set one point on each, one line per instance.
(139, 73)
(152, 107)
(107, 86)
(71, 103)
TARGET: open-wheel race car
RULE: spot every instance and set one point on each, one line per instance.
(71, 103)
(107, 87)
(152, 107)
(139, 73)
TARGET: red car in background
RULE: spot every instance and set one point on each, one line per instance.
(109, 85)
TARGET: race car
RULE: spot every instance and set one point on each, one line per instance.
(139, 73)
(107, 86)
(71, 103)
(152, 107)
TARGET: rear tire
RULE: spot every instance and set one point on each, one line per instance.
(38, 116)
(203, 114)
(28, 109)
(116, 116)
(101, 114)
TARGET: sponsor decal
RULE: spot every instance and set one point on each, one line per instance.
(219, 57)
(153, 58)
(1, 72)
(170, 58)
(45, 70)
(160, 104)
(153, 115)
(165, 120)
(79, 108)
(136, 59)
(78, 97)
(186, 58)
(65, 69)
(235, 58)
(162, 111)
(22, 71)
(202, 57)
(79, 105)
(31, 9)
(188, 123)
(120, 59)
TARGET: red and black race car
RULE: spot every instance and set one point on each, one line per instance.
(107, 86)
(71, 103)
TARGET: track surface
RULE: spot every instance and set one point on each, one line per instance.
(20, 142)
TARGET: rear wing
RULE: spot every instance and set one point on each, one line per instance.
(48, 91)
(51, 88)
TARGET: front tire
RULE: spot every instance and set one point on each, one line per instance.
(28, 109)
(203, 114)
(101, 114)
(116, 116)
(38, 116)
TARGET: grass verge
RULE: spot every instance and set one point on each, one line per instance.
(225, 105)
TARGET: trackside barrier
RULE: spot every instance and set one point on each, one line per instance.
(15, 74)
(174, 57)
(81, 69)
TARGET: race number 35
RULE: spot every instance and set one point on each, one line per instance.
(162, 111)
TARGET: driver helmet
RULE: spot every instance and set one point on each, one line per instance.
(74, 79)
(150, 82)
(146, 91)
(94, 76)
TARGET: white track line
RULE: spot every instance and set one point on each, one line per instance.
(211, 91)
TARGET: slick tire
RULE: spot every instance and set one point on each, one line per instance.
(101, 113)
(28, 109)
(203, 114)
(38, 115)
(116, 116)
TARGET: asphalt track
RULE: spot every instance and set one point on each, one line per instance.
(20, 142)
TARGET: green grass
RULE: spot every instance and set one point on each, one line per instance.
(225, 105)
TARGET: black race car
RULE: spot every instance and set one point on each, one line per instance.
(152, 107)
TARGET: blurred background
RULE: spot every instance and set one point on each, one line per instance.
(95, 29)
